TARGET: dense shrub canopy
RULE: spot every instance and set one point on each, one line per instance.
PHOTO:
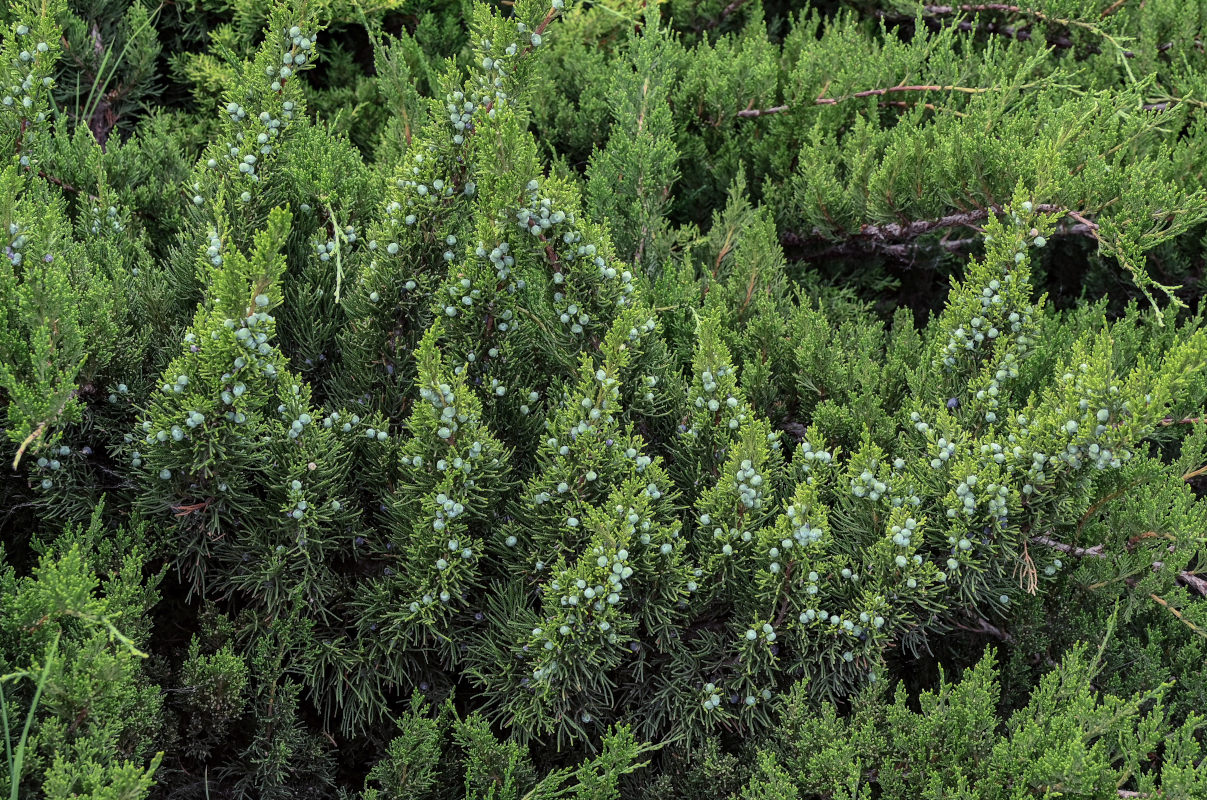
(532, 400)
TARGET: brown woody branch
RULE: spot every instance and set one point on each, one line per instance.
(940, 11)
(973, 8)
(895, 231)
(1185, 577)
(28, 441)
(987, 627)
(905, 251)
(1194, 582)
(725, 12)
(1022, 34)
(749, 112)
(1188, 578)
(899, 251)
(1080, 552)
(65, 185)
(878, 239)
(933, 12)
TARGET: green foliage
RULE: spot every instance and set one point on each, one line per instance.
(507, 420)
(1068, 741)
(59, 309)
(80, 715)
(630, 179)
(850, 120)
(107, 68)
(57, 300)
(216, 686)
(429, 749)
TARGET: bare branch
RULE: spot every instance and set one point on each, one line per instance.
(725, 12)
(1179, 615)
(1080, 552)
(874, 239)
(1185, 577)
(895, 231)
(65, 185)
(1193, 581)
(906, 251)
(28, 441)
(1186, 421)
(985, 626)
(750, 113)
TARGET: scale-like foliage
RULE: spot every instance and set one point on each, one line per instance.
(494, 421)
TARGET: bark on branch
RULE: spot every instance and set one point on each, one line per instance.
(897, 231)
(67, 186)
(1080, 552)
(749, 112)
(933, 13)
(725, 12)
(880, 238)
(1186, 421)
(1185, 577)
(985, 626)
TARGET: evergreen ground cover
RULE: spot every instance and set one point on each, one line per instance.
(539, 399)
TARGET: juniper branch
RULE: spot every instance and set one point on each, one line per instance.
(910, 230)
(1179, 615)
(1186, 577)
(908, 251)
(38, 431)
(749, 112)
(987, 627)
(932, 12)
(65, 185)
(725, 12)
(1194, 582)
(1064, 547)
(965, 26)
